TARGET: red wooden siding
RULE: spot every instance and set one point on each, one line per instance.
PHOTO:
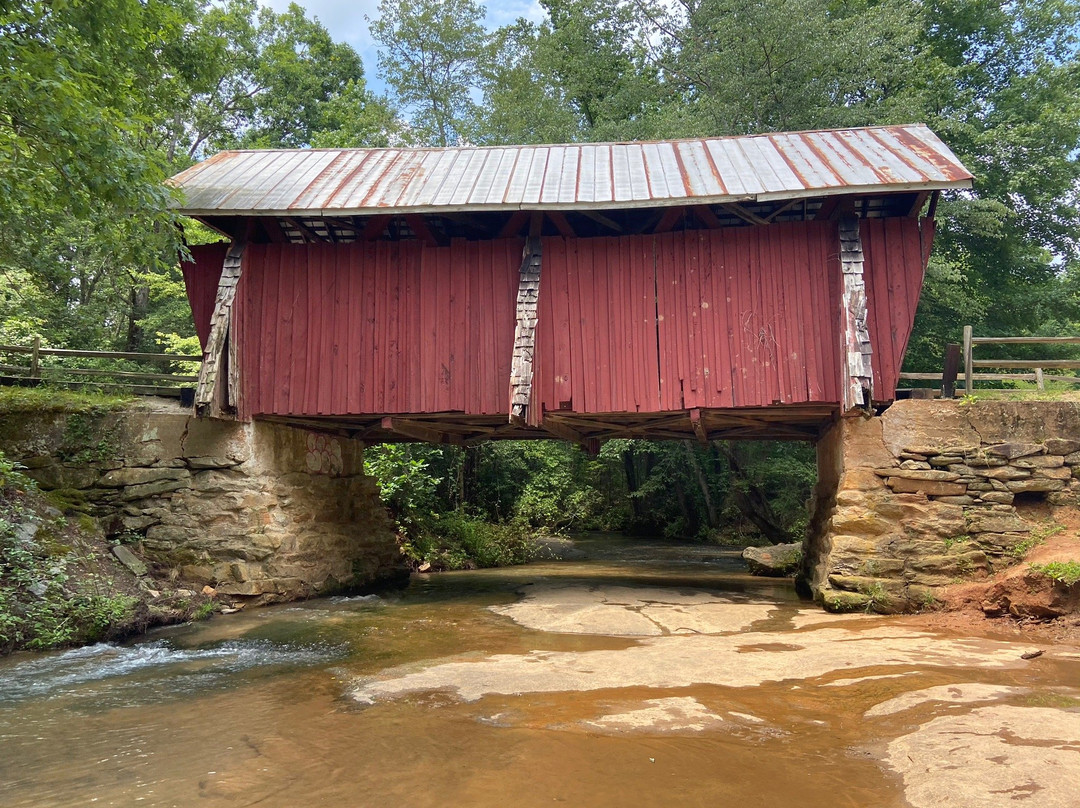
(738, 317)
(377, 328)
(201, 279)
(749, 316)
(596, 335)
(895, 252)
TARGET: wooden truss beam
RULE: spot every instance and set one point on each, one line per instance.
(220, 326)
(562, 431)
(514, 224)
(521, 365)
(418, 224)
(858, 381)
(710, 219)
(307, 232)
(671, 217)
(743, 213)
(699, 428)
(562, 224)
(418, 431)
(600, 218)
(374, 227)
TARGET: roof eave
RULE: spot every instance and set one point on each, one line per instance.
(670, 202)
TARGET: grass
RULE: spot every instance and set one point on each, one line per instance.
(54, 399)
(955, 540)
(1038, 536)
(878, 597)
(1064, 572)
(1024, 391)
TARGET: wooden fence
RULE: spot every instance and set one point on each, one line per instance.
(1035, 367)
(73, 373)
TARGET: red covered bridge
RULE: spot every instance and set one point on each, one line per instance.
(739, 287)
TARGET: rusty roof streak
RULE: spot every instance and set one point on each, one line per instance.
(597, 176)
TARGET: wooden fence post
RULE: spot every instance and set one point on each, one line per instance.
(952, 367)
(967, 360)
(1039, 383)
(35, 358)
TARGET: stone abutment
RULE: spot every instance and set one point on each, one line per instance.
(926, 494)
(260, 512)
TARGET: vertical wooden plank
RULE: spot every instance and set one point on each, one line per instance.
(286, 356)
(664, 319)
(582, 351)
(379, 337)
(306, 398)
(339, 399)
(318, 356)
(635, 395)
(712, 249)
(622, 380)
(296, 262)
(368, 351)
(643, 323)
(810, 321)
(261, 326)
(556, 269)
(347, 264)
(459, 299)
(835, 286)
(429, 321)
(783, 319)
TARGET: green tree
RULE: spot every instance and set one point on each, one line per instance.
(431, 50)
(524, 102)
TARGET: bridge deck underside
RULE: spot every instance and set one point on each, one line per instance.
(805, 422)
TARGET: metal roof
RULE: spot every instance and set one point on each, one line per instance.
(341, 182)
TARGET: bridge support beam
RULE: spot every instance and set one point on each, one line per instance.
(858, 381)
(207, 400)
(521, 367)
(420, 431)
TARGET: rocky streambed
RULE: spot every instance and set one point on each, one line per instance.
(642, 674)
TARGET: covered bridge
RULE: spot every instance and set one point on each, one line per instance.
(739, 287)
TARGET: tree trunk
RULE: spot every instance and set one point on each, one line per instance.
(139, 309)
(632, 482)
(752, 502)
(703, 484)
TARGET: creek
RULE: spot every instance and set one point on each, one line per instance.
(642, 674)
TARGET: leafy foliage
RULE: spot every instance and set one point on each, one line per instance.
(1065, 572)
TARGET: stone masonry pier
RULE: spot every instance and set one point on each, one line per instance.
(926, 494)
(261, 512)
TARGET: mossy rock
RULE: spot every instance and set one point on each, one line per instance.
(777, 561)
(839, 600)
(69, 500)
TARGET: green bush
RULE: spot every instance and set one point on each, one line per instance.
(453, 541)
(1065, 572)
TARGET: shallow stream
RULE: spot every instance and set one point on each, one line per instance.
(645, 674)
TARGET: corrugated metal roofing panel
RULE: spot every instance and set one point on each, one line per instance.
(588, 175)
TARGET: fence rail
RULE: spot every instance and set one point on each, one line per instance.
(125, 379)
(1037, 366)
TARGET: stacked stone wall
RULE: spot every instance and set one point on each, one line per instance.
(925, 496)
(259, 511)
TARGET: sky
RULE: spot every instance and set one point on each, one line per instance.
(345, 20)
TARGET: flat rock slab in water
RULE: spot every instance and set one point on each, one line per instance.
(777, 561)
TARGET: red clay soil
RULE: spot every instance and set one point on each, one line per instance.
(1019, 600)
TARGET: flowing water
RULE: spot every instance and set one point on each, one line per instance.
(645, 674)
